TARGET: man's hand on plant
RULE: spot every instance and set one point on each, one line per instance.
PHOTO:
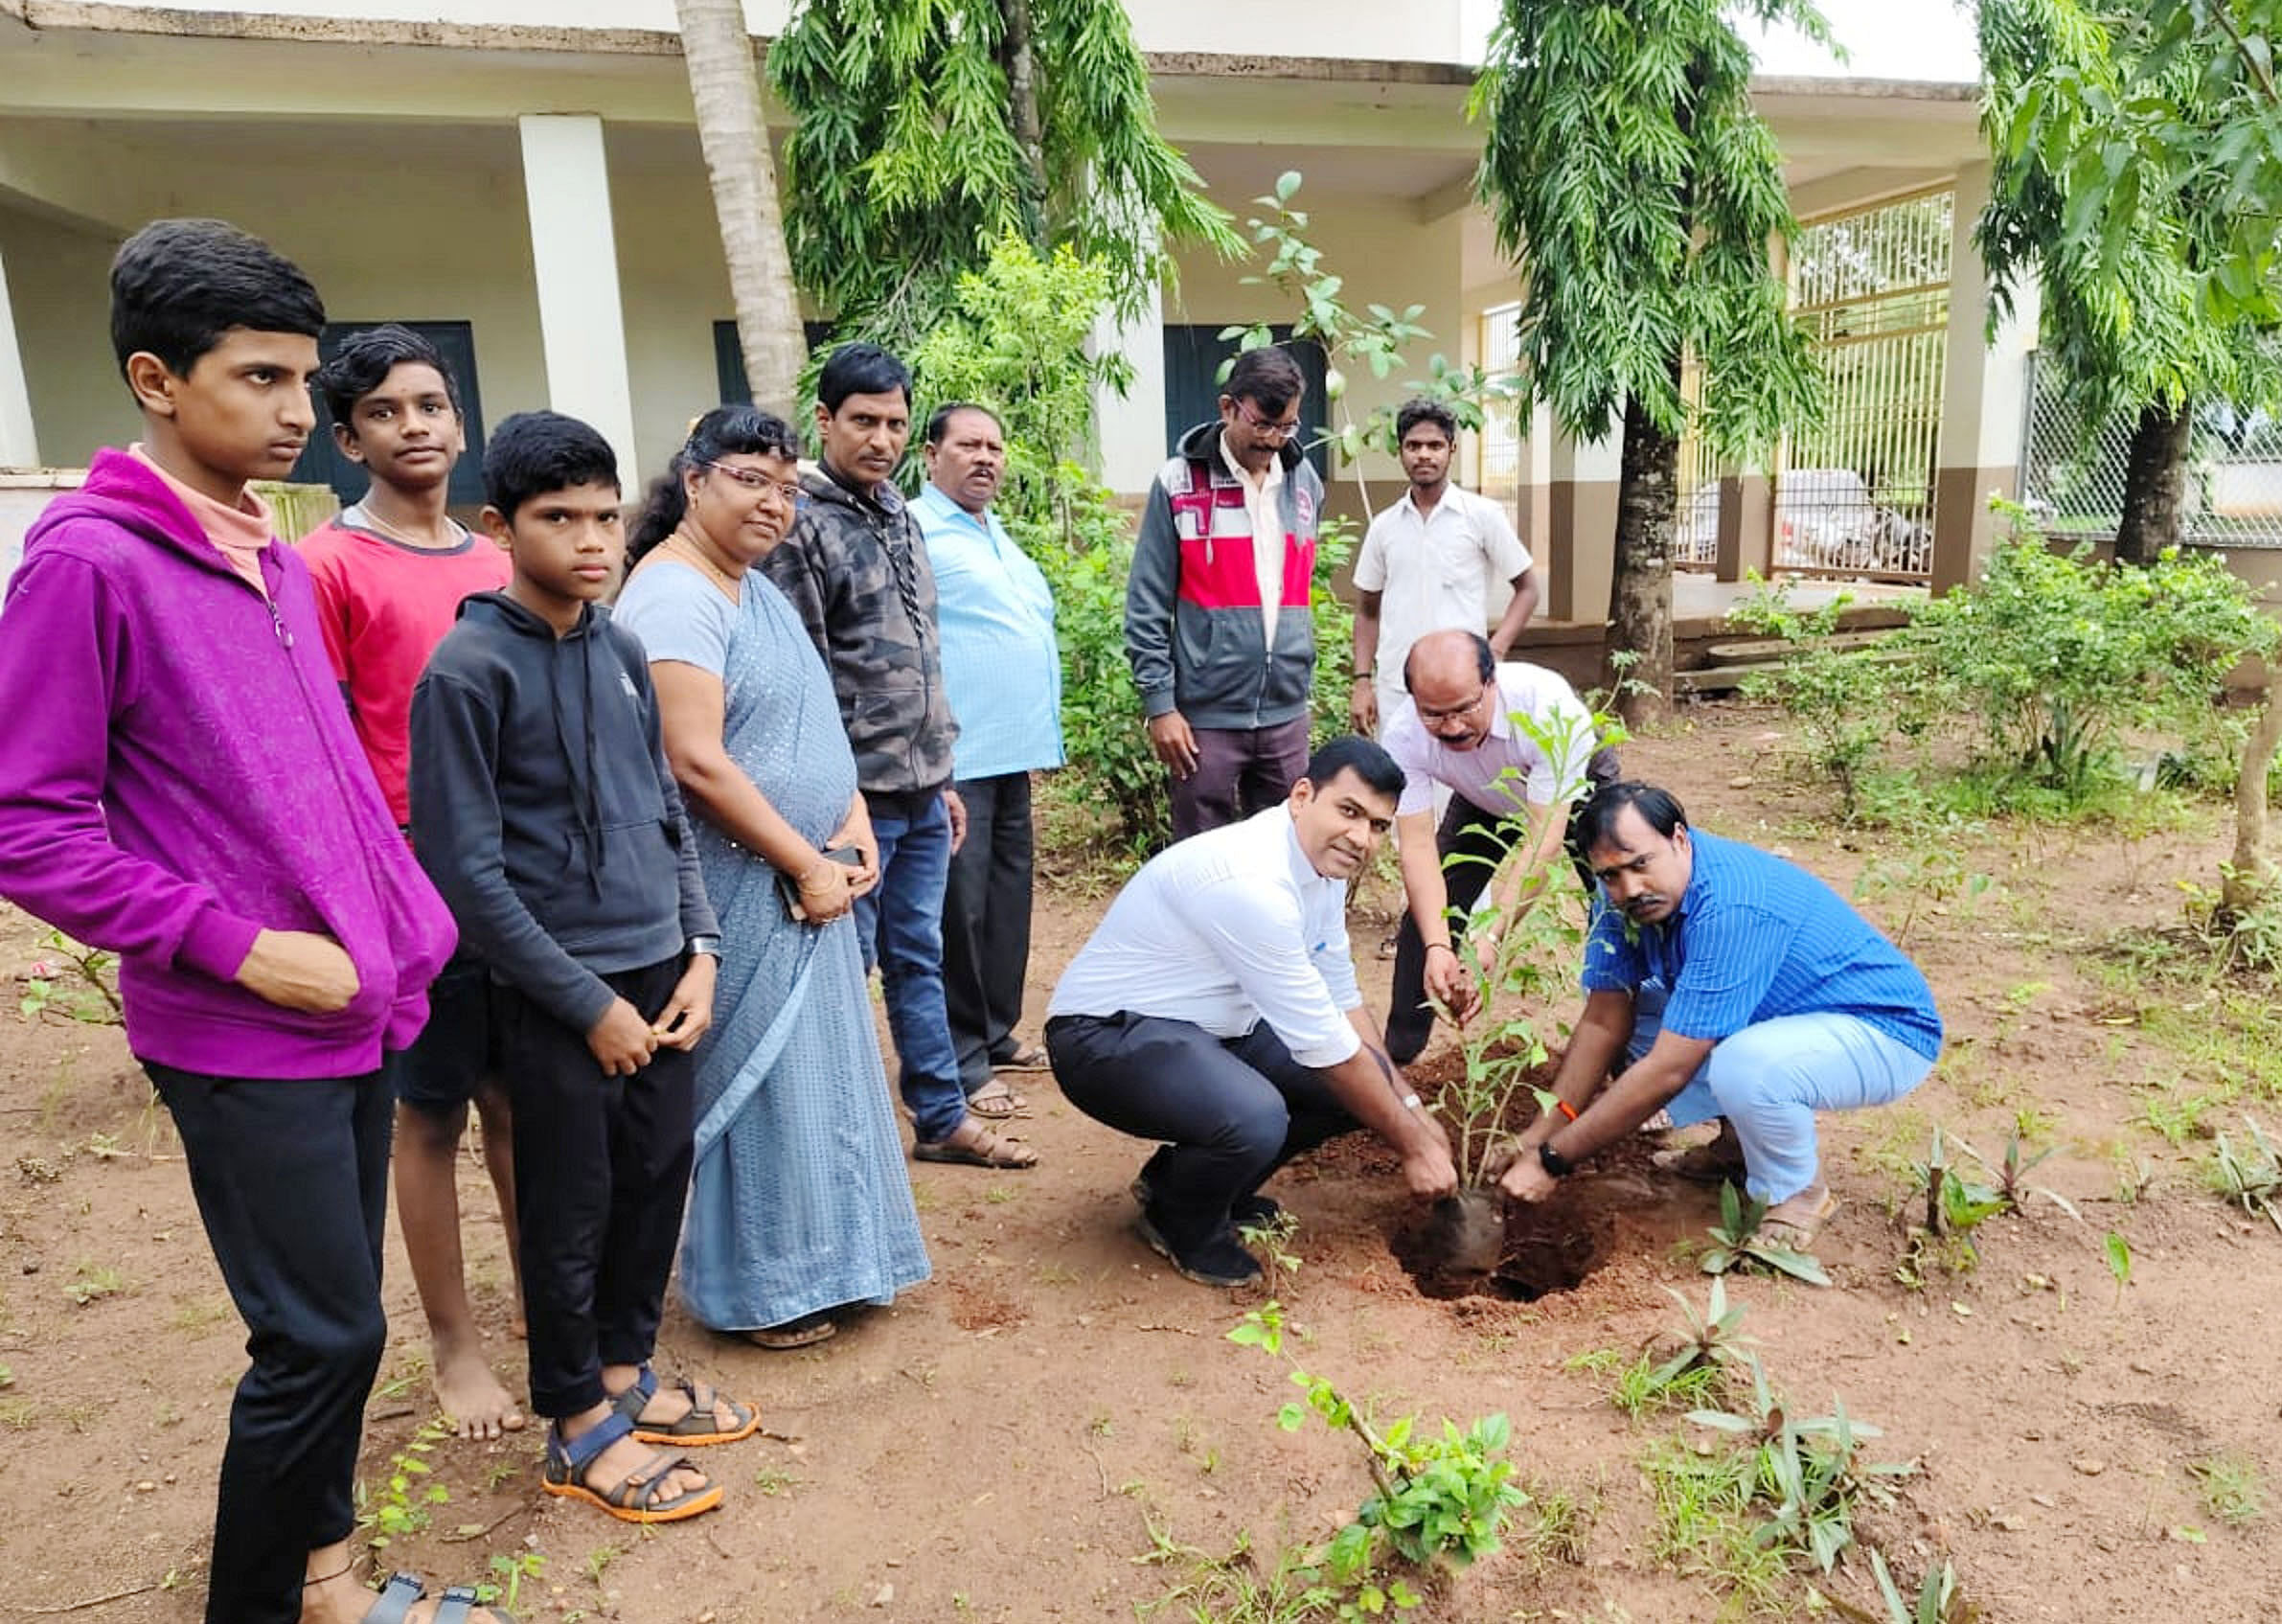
(1447, 983)
(1526, 1178)
(1427, 1168)
(1168, 736)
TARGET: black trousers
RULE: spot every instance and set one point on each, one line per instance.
(1240, 771)
(986, 923)
(602, 1171)
(291, 1180)
(1230, 1109)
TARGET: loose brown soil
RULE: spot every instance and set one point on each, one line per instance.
(1001, 1444)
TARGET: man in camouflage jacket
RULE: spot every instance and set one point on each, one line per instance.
(855, 569)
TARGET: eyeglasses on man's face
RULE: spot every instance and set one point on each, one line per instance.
(1267, 428)
(754, 480)
(1455, 713)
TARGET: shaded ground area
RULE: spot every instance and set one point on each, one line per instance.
(1011, 1441)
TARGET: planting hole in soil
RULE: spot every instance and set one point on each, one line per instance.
(1459, 1250)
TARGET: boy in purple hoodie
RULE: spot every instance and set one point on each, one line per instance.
(183, 787)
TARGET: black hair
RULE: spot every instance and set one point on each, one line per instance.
(178, 286)
(939, 419)
(1485, 658)
(725, 431)
(861, 369)
(1420, 409)
(532, 453)
(1592, 824)
(1358, 756)
(1266, 377)
(365, 361)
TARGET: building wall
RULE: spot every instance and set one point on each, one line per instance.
(56, 281)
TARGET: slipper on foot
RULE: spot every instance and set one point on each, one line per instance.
(995, 1102)
(397, 1597)
(1797, 1222)
(639, 1496)
(972, 1145)
(1025, 1057)
(701, 1425)
(804, 1332)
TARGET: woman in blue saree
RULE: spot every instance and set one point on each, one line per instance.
(799, 1204)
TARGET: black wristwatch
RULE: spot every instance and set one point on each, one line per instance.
(1553, 1161)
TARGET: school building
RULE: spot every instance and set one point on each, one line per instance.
(522, 179)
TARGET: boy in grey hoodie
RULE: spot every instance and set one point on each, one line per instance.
(544, 808)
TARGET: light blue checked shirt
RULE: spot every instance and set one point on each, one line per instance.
(1755, 938)
(1001, 666)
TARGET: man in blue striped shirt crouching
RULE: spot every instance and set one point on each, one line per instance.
(1734, 985)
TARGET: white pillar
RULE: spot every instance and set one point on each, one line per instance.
(1983, 398)
(19, 443)
(574, 257)
(1132, 426)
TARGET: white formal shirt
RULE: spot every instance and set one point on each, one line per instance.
(1510, 769)
(1433, 573)
(1226, 929)
(1263, 507)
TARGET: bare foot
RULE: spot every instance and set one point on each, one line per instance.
(467, 1391)
(342, 1599)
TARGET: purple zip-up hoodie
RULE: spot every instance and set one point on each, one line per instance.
(177, 773)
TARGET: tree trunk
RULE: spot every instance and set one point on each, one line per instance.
(744, 170)
(1018, 60)
(2252, 870)
(2155, 485)
(1640, 595)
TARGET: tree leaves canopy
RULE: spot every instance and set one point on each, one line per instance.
(2137, 174)
(1627, 171)
(905, 166)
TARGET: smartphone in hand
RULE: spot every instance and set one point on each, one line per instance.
(790, 884)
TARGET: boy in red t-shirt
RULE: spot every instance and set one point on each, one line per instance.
(390, 575)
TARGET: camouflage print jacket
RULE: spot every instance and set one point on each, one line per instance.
(857, 571)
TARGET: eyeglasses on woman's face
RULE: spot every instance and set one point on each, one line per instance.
(788, 490)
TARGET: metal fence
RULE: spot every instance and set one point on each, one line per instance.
(1855, 496)
(2072, 482)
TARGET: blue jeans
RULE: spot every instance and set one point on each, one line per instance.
(1771, 1079)
(899, 921)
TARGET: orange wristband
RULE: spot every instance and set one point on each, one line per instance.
(1565, 1108)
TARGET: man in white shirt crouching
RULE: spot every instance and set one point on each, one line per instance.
(1215, 1008)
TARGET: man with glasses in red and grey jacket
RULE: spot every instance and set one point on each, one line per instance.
(1216, 622)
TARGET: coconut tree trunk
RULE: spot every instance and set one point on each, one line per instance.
(1640, 595)
(2247, 878)
(2155, 484)
(744, 170)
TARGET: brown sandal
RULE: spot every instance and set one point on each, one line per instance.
(804, 1332)
(972, 1145)
(998, 1102)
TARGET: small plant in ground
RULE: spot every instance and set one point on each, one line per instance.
(1808, 1474)
(1704, 1527)
(1439, 1499)
(2232, 1487)
(507, 1573)
(1937, 1601)
(1736, 1240)
(1696, 1373)
(1931, 875)
(1954, 1207)
(2249, 1177)
(406, 1501)
(1563, 1520)
(1641, 1386)
(1236, 1589)
(2119, 1262)
(81, 983)
(1271, 1241)
(92, 1282)
(2011, 1175)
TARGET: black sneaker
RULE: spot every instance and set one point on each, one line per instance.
(1215, 1261)
(1246, 1212)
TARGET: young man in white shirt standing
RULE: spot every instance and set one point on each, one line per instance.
(1216, 1009)
(1426, 563)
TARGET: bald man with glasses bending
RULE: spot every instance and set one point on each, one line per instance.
(1515, 746)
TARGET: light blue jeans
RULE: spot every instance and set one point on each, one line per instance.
(1771, 1079)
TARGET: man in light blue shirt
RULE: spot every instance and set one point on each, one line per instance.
(1736, 986)
(1002, 671)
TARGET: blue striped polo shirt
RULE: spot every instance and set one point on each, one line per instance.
(1755, 938)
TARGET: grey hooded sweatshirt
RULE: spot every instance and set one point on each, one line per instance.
(542, 807)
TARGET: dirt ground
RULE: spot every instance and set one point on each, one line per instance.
(1011, 1441)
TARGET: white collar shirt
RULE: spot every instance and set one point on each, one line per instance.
(1226, 929)
(1433, 571)
(1265, 510)
(1513, 768)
